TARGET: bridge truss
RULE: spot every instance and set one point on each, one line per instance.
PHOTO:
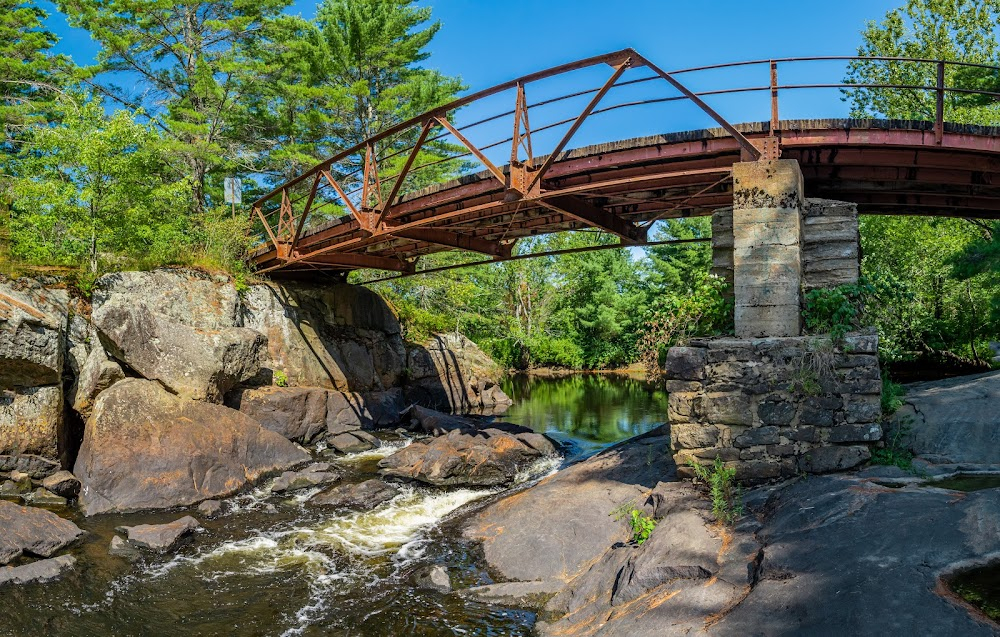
(376, 205)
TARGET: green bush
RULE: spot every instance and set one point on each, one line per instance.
(727, 499)
(835, 311)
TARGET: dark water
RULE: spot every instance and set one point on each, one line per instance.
(981, 588)
(273, 565)
(967, 482)
(589, 410)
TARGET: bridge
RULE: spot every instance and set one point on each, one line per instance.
(377, 205)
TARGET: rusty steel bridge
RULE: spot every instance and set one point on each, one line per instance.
(373, 206)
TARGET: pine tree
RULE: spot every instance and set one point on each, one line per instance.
(194, 61)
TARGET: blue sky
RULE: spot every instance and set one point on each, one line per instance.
(486, 43)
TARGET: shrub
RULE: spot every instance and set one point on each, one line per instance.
(835, 310)
(727, 499)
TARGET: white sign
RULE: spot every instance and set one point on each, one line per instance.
(233, 187)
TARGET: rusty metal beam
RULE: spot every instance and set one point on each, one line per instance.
(591, 215)
(453, 240)
(352, 260)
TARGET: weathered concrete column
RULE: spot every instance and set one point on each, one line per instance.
(767, 248)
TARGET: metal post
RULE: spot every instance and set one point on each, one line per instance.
(774, 97)
(939, 109)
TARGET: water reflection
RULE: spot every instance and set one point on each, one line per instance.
(590, 410)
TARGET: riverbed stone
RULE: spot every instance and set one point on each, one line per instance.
(44, 497)
(210, 508)
(353, 442)
(35, 466)
(361, 496)
(145, 448)
(312, 476)
(160, 537)
(37, 572)
(433, 578)
(33, 531)
(62, 483)
(488, 457)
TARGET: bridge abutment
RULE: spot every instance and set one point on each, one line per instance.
(773, 402)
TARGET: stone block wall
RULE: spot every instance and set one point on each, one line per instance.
(830, 244)
(775, 407)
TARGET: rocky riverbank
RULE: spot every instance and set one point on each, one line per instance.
(171, 387)
(869, 552)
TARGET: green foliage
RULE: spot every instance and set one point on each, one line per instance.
(892, 396)
(705, 310)
(935, 282)
(835, 311)
(280, 378)
(640, 523)
(93, 191)
(894, 453)
(727, 499)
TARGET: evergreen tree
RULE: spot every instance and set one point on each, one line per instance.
(375, 48)
(195, 61)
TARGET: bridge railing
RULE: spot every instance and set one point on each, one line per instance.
(369, 180)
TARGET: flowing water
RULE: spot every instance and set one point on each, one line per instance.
(273, 565)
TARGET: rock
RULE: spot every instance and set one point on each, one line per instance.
(954, 420)
(767, 435)
(362, 496)
(30, 420)
(827, 459)
(97, 374)
(44, 497)
(10, 490)
(339, 337)
(871, 432)
(450, 373)
(35, 466)
(384, 407)
(555, 529)
(160, 537)
(488, 457)
(353, 442)
(121, 548)
(62, 483)
(32, 531)
(433, 578)
(194, 363)
(210, 508)
(33, 321)
(518, 594)
(297, 413)
(346, 411)
(190, 297)
(144, 448)
(37, 572)
(310, 477)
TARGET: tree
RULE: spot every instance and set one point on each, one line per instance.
(29, 74)
(930, 300)
(197, 61)
(375, 48)
(955, 30)
(95, 187)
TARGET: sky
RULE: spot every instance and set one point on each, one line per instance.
(487, 42)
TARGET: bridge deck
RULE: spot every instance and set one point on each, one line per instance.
(885, 166)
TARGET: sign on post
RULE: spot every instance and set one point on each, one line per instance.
(233, 189)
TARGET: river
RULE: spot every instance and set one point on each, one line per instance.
(272, 565)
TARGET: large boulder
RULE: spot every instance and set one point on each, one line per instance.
(33, 321)
(555, 530)
(32, 531)
(340, 337)
(160, 537)
(485, 457)
(363, 496)
(302, 413)
(96, 373)
(144, 448)
(37, 572)
(450, 373)
(31, 420)
(192, 298)
(202, 364)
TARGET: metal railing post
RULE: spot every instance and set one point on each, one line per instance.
(939, 106)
